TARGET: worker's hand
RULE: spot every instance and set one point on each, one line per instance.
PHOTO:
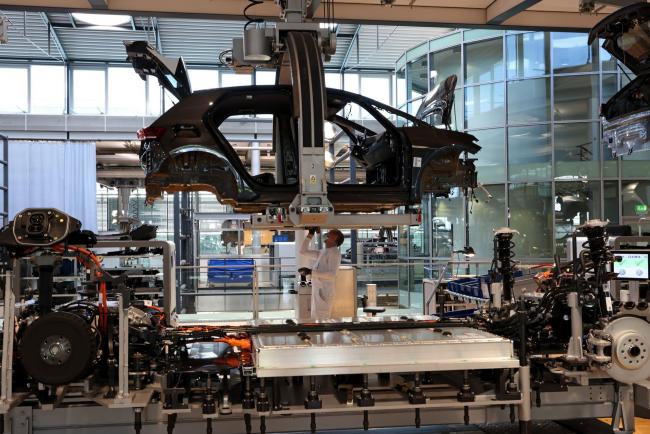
(304, 271)
(313, 230)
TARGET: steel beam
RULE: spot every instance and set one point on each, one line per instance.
(502, 10)
(447, 15)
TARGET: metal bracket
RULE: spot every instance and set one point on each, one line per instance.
(347, 221)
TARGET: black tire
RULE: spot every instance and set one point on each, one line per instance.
(82, 348)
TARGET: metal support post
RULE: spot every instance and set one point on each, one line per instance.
(123, 356)
(574, 350)
(6, 394)
(623, 417)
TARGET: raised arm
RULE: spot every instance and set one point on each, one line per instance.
(306, 251)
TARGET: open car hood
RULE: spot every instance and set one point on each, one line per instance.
(172, 75)
(439, 101)
(627, 36)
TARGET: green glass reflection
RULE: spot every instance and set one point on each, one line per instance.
(577, 150)
(576, 97)
(490, 158)
(529, 153)
(484, 106)
(633, 194)
(444, 64)
(484, 61)
(527, 55)
(486, 213)
(531, 213)
(447, 224)
(611, 198)
(572, 54)
(529, 101)
(575, 203)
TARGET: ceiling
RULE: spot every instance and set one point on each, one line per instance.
(58, 36)
(446, 13)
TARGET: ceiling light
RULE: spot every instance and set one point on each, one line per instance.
(104, 20)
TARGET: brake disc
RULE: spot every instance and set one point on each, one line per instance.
(630, 349)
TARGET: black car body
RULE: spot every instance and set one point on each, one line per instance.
(626, 115)
(186, 150)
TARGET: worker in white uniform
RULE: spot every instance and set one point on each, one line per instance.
(323, 272)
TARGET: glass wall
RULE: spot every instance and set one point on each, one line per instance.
(532, 99)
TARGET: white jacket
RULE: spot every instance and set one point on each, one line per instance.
(323, 278)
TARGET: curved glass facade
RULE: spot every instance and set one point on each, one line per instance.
(532, 99)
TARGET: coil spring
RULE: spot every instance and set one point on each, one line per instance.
(596, 243)
(504, 255)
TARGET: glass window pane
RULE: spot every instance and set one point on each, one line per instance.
(576, 98)
(201, 79)
(531, 214)
(154, 102)
(13, 88)
(447, 224)
(263, 78)
(444, 64)
(607, 61)
(528, 54)
(611, 200)
(126, 93)
(376, 87)
(484, 61)
(529, 153)
(475, 34)
(610, 87)
(351, 84)
(459, 108)
(484, 106)
(575, 203)
(635, 165)
(634, 193)
(229, 79)
(486, 214)
(626, 76)
(400, 88)
(89, 91)
(48, 89)
(490, 158)
(571, 53)
(416, 82)
(610, 164)
(333, 80)
(577, 150)
(529, 101)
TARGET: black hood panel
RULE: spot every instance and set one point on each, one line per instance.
(627, 36)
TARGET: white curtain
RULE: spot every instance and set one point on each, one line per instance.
(61, 175)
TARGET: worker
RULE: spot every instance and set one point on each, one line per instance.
(323, 273)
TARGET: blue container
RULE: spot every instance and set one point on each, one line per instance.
(231, 270)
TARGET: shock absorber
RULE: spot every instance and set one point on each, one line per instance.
(599, 254)
(503, 261)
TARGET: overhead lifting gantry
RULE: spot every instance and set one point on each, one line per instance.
(296, 47)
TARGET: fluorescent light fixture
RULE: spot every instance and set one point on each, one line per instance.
(103, 20)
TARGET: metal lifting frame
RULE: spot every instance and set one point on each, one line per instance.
(301, 66)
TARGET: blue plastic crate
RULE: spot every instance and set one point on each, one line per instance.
(467, 286)
(231, 270)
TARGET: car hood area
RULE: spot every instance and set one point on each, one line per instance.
(626, 115)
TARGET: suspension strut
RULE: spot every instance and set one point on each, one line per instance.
(600, 255)
(504, 259)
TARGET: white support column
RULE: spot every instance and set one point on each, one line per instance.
(255, 170)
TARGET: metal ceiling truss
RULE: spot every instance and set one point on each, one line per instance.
(538, 14)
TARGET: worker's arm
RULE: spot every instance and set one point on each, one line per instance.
(306, 251)
(330, 274)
